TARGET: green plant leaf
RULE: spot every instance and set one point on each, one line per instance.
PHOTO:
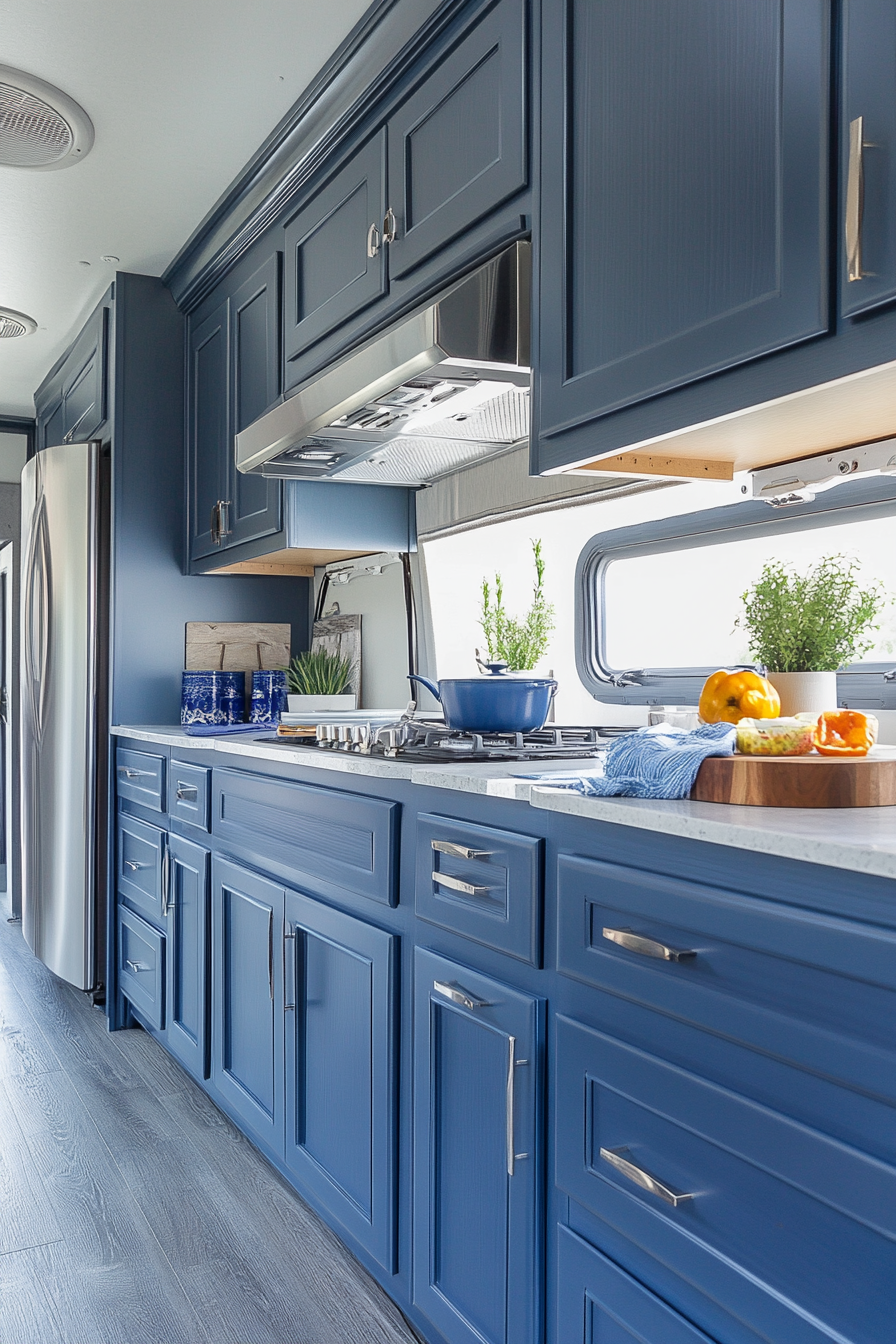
(319, 672)
(519, 643)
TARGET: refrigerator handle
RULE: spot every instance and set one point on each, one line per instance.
(29, 642)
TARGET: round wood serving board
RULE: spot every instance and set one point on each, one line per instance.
(799, 781)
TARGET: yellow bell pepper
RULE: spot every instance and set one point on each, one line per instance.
(729, 696)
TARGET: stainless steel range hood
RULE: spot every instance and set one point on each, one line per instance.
(445, 386)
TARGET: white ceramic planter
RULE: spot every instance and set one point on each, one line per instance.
(805, 692)
(320, 704)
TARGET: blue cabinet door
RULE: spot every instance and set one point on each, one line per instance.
(207, 403)
(684, 193)
(247, 998)
(186, 902)
(478, 1050)
(84, 385)
(868, 160)
(50, 422)
(458, 146)
(335, 263)
(252, 502)
(341, 1068)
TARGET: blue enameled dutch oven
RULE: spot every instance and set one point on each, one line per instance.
(496, 703)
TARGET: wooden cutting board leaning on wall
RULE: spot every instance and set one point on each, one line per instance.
(236, 646)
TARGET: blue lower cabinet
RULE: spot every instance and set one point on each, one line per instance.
(247, 998)
(341, 1068)
(478, 1063)
(765, 1215)
(598, 1303)
(141, 966)
(186, 899)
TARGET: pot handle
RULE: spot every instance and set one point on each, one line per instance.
(424, 681)
(554, 686)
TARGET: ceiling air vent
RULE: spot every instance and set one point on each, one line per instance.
(15, 324)
(40, 126)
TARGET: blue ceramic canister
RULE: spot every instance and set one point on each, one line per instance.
(214, 697)
(268, 696)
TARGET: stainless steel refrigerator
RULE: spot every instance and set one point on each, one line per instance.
(62, 706)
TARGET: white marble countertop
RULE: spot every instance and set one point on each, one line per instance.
(861, 839)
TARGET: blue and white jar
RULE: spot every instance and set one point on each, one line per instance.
(268, 696)
(213, 697)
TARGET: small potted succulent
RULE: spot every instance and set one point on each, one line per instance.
(804, 627)
(319, 681)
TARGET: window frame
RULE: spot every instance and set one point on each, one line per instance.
(860, 686)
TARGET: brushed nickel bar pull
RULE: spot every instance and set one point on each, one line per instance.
(133, 865)
(455, 884)
(511, 1071)
(186, 793)
(130, 773)
(390, 226)
(166, 881)
(648, 947)
(214, 526)
(617, 1159)
(459, 851)
(455, 994)
(855, 199)
(373, 240)
(136, 965)
(289, 1007)
(271, 954)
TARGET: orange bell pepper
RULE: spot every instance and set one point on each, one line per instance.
(729, 696)
(845, 732)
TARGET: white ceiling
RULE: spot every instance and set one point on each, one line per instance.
(181, 94)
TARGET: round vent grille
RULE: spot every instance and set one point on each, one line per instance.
(15, 324)
(40, 126)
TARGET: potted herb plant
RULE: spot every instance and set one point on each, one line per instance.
(519, 643)
(319, 681)
(804, 627)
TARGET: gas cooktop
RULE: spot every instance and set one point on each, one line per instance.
(428, 743)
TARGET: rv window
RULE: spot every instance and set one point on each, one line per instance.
(658, 604)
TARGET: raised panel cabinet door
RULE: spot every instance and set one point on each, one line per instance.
(247, 998)
(253, 503)
(341, 1068)
(84, 388)
(684, 193)
(478, 1063)
(335, 263)
(458, 146)
(50, 423)
(868, 155)
(208, 433)
(186, 903)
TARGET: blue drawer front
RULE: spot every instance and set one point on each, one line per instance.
(503, 870)
(341, 839)
(781, 1220)
(141, 777)
(188, 794)
(760, 973)
(598, 1303)
(140, 865)
(141, 966)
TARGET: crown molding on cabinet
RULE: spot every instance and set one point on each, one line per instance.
(374, 56)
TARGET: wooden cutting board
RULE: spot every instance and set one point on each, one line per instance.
(799, 781)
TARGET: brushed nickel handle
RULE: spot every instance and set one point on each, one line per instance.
(186, 793)
(224, 518)
(288, 1007)
(132, 864)
(456, 884)
(652, 1184)
(455, 994)
(390, 226)
(214, 526)
(373, 241)
(166, 881)
(130, 773)
(459, 851)
(855, 199)
(648, 947)
(136, 965)
(271, 954)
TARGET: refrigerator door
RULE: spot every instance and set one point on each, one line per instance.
(58, 709)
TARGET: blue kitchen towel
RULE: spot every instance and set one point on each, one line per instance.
(655, 762)
(219, 729)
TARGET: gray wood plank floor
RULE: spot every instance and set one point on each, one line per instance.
(133, 1212)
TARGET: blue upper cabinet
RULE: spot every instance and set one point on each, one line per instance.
(867, 150)
(458, 145)
(253, 504)
(233, 376)
(684, 193)
(72, 405)
(335, 261)
(207, 428)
